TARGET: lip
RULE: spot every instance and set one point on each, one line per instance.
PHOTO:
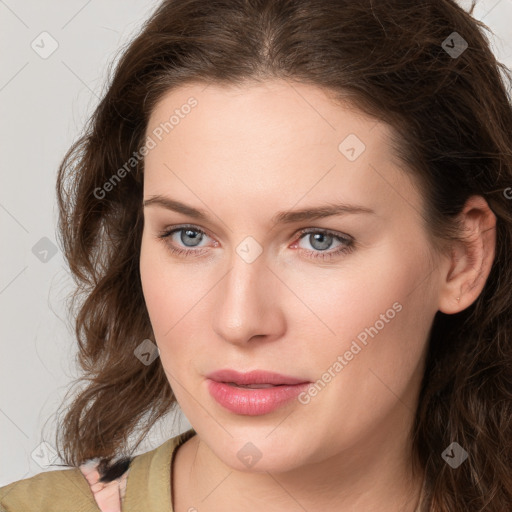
(253, 402)
(254, 377)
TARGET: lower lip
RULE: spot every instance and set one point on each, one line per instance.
(253, 402)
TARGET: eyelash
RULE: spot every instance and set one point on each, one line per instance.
(324, 255)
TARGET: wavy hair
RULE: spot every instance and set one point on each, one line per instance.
(394, 60)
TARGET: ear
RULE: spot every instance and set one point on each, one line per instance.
(467, 268)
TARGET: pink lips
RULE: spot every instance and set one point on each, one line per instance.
(267, 392)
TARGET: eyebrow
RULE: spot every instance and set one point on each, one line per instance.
(284, 217)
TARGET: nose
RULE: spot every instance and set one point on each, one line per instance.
(247, 303)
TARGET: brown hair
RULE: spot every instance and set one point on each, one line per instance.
(453, 122)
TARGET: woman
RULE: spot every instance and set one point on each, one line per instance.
(292, 218)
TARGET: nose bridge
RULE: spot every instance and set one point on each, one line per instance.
(244, 304)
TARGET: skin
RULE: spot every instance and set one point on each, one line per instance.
(242, 155)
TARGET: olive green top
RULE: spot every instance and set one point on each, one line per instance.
(148, 486)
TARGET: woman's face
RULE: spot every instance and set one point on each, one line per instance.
(346, 306)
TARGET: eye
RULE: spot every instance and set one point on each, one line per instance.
(321, 240)
(190, 236)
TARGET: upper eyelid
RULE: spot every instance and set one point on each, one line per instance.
(332, 232)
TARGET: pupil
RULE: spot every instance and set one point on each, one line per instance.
(318, 238)
(194, 235)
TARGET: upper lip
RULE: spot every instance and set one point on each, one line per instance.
(253, 377)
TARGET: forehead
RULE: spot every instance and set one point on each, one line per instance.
(260, 142)
(301, 114)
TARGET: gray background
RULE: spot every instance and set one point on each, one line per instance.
(44, 103)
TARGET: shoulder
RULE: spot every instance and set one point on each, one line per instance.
(78, 489)
(59, 490)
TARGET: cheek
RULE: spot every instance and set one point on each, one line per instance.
(174, 301)
(159, 287)
(381, 318)
(378, 312)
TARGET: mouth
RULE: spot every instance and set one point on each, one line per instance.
(253, 393)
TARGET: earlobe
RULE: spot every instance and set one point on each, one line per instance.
(470, 261)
